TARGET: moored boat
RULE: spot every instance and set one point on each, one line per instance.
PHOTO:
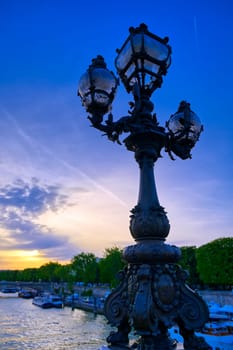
(216, 329)
(9, 293)
(48, 301)
(216, 335)
(71, 299)
(27, 293)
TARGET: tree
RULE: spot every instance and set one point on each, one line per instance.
(215, 262)
(189, 262)
(28, 275)
(85, 267)
(9, 275)
(65, 273)
(50, 272)
(110, 265)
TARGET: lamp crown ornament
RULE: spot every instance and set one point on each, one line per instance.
(141, 62)
(152, 295)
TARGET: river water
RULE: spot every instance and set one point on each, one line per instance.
(25, 326)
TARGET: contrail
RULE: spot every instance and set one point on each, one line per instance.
(196, 33)
(19, 130)
(64, 163)
(93, 182)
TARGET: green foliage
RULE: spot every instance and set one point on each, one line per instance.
(188, 262)
(63, 273)
(49, 272)
(30, 274)
(9, 275)
(85, 268)
(110, 265)
(87, 293)
(215, 262)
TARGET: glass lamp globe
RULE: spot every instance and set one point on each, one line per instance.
(184, 130)
(142, 60)
(97, 87)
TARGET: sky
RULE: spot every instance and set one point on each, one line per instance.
(65, 188)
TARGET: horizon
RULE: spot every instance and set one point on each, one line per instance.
(97, 257)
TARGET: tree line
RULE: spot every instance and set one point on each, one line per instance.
(210, 265)
(85, 268)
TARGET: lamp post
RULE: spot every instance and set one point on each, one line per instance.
(152, 295)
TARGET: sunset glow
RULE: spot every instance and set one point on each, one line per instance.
(20, 259)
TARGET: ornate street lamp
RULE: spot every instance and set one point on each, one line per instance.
(152, 295)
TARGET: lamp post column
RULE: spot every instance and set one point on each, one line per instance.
(148, 219)
(152, 295)
(149, 227)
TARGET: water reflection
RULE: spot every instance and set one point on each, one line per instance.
(25, 326)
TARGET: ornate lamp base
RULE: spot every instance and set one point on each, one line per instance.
(151, 298)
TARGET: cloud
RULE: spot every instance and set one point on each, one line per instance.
(28, 235)
(20, 204)
(30, 199)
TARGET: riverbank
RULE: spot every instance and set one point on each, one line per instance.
(101, 290)
(217, 296)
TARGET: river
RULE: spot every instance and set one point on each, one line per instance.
(24, 326)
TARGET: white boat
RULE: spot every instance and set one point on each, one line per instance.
(217, 336)
(48, 301)
(9, 293)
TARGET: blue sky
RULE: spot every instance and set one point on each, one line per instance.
(63, 187)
